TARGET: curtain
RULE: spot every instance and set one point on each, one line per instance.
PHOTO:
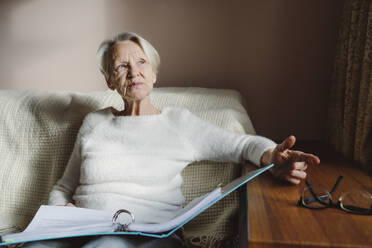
(350, 108)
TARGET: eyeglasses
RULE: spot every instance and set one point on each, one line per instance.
(355, 201)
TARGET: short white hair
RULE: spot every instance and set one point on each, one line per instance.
(103, 53)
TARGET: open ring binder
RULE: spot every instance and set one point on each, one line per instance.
(97, 222)
(122, 227)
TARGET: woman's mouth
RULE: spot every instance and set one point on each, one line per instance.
(135, 84)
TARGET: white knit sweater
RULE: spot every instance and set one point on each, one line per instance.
(135, 162)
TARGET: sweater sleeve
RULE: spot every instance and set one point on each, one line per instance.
(211, 142)
(63, 190)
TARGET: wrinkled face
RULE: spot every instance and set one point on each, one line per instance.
(131, 73)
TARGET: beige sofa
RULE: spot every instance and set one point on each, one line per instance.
(38, 130)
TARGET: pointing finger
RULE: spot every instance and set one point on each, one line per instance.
(298, 156)
(311, 159)
(315, 159)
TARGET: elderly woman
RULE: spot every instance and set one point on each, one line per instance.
(133, 158)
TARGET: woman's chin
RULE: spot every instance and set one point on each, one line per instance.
(137, 96)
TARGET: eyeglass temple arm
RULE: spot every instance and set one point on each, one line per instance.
(336, 184)
(316, 197)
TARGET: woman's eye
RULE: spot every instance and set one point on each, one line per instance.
(141, 62)
(120, 67)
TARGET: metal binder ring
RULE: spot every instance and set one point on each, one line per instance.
(116, 215)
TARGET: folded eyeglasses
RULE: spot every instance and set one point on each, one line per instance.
(355, 201)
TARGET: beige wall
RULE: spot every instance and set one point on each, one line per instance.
(278, 54)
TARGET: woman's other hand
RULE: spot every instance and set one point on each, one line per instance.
(290, 165)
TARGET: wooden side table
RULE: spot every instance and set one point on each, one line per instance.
(275, 220)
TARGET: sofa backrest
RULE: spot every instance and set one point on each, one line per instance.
(37, 134)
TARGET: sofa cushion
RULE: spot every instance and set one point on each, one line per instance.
(37, 134)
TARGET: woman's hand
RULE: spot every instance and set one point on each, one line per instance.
(290, 165)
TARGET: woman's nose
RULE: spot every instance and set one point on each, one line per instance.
(133, 71)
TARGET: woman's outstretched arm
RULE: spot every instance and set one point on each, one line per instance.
(211, 142)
